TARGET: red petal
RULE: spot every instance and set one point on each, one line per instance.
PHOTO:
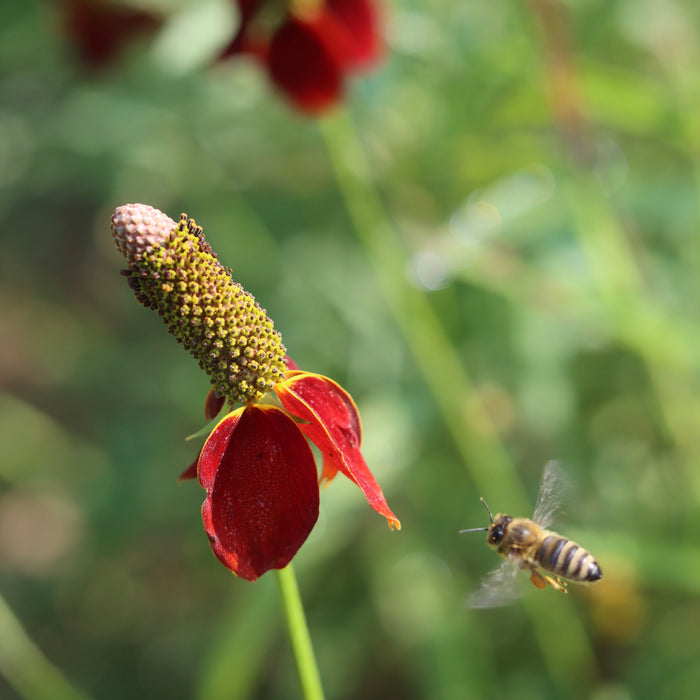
(329, 465)
(262, 490)
(333, 425)
(290, 363)
(191, 471)
(100, 30)
(213, 405)
(328, 473)
(360, 22)
(302, 67)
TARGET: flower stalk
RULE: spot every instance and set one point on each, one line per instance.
(299, 636)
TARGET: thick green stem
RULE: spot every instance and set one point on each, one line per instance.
(299, 635)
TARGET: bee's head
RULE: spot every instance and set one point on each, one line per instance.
(496, 530)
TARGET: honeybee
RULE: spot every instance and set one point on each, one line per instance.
(527, 545)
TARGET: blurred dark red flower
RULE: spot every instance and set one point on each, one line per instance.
(311, 47)
(99, 29)
(248, 39)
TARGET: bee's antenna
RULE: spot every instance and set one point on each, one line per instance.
(488, 510)
(480, 529)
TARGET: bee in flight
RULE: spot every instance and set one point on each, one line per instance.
(527, 545)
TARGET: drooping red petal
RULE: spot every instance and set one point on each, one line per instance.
(302, 67)
(347, 420)
(332, 423)
(328, 473)
(191, 471)
(330, 468)
(213, 405)
(262, 491)
(290, 363)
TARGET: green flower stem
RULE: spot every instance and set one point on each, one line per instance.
(484, 457)
(299, 634)
(25, 667)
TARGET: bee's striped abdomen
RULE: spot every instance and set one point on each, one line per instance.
(566, 559)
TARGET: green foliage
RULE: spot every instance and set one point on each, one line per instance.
(497, 281)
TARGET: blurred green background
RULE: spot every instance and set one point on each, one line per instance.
(510, 277)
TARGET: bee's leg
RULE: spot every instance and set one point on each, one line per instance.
(540, 581)
(557, 583)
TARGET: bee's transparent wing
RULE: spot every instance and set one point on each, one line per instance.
(553, 489)
(500, 587)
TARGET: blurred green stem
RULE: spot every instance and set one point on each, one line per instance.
(472, 430)
(299, 634)
(25, 667)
